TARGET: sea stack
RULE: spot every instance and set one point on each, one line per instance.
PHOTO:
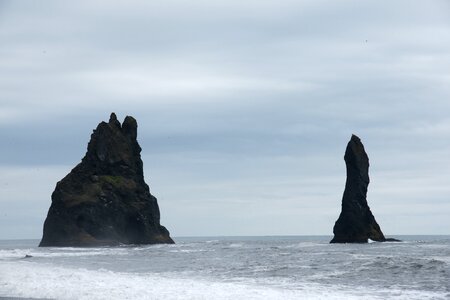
(356, 223)
(104, 200)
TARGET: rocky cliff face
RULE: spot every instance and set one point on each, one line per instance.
(356, 224)
(104, 199)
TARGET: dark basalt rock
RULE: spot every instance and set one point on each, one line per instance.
(356, 223)
(104, 200)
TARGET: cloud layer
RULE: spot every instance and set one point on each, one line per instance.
(244, 108)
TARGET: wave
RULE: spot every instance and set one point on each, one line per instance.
(37, 280)
(7, 254)
(61, 252)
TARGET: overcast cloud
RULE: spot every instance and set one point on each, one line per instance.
(244, 108)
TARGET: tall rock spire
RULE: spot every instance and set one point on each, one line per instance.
(104, 200)
(356, 223)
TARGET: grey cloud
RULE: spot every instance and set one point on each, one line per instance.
(242, 106)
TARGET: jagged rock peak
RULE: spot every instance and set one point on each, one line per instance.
(114, 144)
(113, 121)
(129, 127)
(356, 159)
(356, 223)
(353, 138)
(104, 200)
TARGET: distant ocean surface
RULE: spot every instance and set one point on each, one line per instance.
(294, 267)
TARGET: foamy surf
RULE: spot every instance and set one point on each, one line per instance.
(31, 280)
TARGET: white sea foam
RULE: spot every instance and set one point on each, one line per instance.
(190, 250)
(304, 245)
(37, 280)
(60, 252)
(212, 241)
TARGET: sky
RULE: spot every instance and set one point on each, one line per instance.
(244, 108)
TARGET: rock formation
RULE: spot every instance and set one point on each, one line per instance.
(356, 224)
(104, 200)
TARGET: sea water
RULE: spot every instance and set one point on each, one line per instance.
(295, 267)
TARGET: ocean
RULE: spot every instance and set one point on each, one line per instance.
(279, 267)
